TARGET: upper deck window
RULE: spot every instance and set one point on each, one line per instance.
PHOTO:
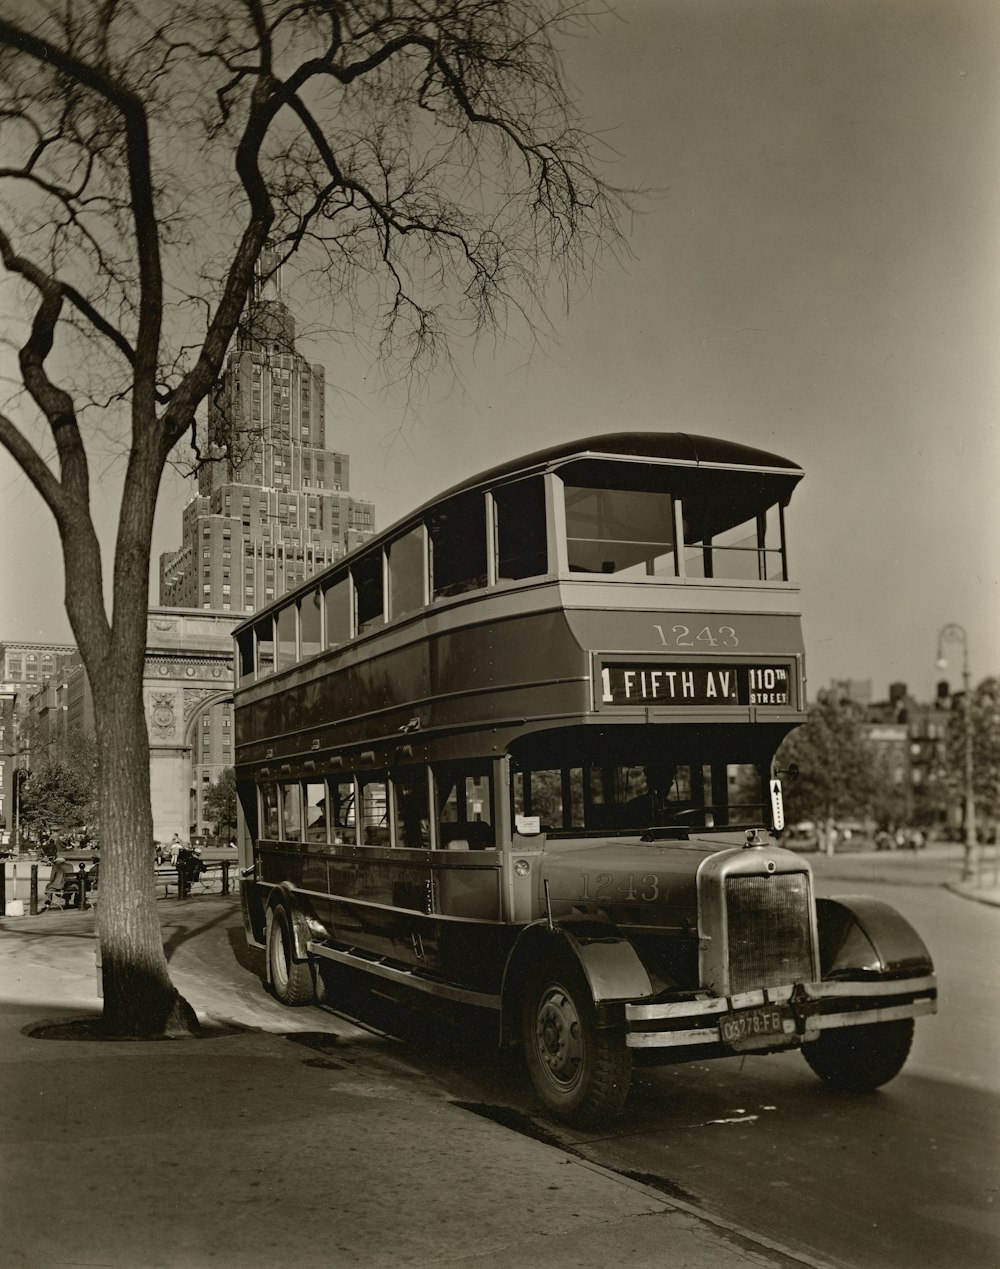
(458, 545)
(245, 645)
(337, 598)
(263, 635)
(369, 599)
(310, 624)
(746, 550)
(285, 631)
(405, 560)
(522, 547)
(630, 520)
(626, 531)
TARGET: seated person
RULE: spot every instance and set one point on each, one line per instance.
(59, 879)
(653, 806)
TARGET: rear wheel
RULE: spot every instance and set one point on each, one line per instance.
(579, 1071)
(291, 980)
(859, 1059)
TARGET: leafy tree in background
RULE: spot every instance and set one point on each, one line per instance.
(839, 774)
(421, 157)
(220, 803)
(949, 777)
(56, 796)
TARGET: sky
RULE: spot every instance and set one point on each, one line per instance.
(813, 270)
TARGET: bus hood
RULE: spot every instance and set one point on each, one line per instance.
(630, 881)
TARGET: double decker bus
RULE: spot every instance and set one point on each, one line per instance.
(516, 753)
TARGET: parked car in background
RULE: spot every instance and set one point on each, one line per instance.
(802, 836)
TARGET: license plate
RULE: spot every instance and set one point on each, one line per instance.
(750, 1024)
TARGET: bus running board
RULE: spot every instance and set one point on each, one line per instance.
(372, 963)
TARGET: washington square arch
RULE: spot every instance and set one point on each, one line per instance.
(187, 693)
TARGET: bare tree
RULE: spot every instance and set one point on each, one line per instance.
(420, 155)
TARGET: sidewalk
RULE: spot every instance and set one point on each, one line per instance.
(242, 1149)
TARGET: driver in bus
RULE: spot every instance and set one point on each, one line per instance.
(646, 809)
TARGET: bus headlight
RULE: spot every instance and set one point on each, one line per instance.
(521, 868)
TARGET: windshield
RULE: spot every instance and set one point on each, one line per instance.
(640, 795)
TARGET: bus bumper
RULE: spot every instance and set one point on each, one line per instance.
(777, 1017)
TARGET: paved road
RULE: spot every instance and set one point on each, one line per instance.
(903, 1178)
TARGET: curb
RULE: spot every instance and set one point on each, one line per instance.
(989, 897)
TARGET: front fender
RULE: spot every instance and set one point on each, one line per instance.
(861, 934)
(608, 960)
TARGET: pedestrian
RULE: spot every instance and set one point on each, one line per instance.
(175, 846)
(189, 869)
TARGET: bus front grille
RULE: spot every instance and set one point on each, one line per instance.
(769, 935)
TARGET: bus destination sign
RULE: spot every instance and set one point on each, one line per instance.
(623, 683)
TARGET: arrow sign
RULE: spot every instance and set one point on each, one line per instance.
(777, 806)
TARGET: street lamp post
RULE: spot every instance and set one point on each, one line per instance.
(20, 775)
(953, 633)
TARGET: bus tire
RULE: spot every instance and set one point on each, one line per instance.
(580, 1072)
(860, 1059)
(291, 980)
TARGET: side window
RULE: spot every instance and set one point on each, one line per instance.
(458, 545)
(244, 651)
(337, 598)
(269, 821)
(522, 546)
(263, 636)
(406, 560)
(544, 790)
(314, 793)
(369, 600)
(340, 811)
(774, 553)
(310, 624)
(413, 812)
(373, 795)
(464, 805)
(291, 811)
(285, 636)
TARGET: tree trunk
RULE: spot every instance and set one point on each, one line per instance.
(139, 998)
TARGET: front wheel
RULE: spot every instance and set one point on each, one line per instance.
(291, 980)
(859, 1059)
(580, 1071)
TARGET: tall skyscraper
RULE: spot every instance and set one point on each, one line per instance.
(273, 505)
